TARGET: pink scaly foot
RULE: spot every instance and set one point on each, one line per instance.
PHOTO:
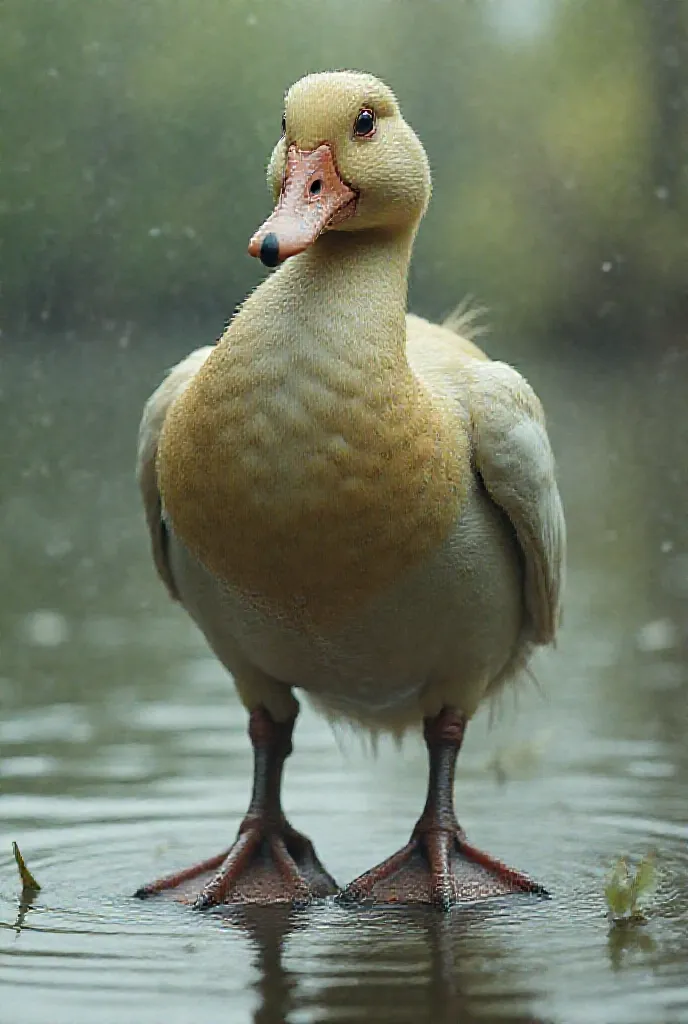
(438, 866)
(270, 862)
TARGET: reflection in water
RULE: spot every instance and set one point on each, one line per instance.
(386, 965)
(123, 752)
(405, 965)
(626, 937)
(268, 928)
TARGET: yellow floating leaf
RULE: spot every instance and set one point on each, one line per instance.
(28, 881)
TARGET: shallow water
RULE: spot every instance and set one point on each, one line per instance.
(123, 751)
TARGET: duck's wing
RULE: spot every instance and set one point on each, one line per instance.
(154, 413)
(512, 454)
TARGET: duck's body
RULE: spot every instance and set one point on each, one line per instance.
(349, 500)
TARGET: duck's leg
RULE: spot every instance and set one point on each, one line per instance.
(270, 862)
(437, 865)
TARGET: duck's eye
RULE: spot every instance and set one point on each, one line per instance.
(284, 124)
(364, 125)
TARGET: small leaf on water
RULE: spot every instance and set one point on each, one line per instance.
(625, 888)
(28, 881)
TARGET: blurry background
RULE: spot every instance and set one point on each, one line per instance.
(134, 136)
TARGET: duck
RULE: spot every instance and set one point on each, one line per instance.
(353, 504)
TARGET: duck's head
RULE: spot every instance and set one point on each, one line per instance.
(346, 161)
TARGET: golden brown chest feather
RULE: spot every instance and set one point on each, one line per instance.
(309, 485)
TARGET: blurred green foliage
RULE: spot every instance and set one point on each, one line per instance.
(134, 136)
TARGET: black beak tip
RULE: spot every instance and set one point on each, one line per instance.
(269, 250)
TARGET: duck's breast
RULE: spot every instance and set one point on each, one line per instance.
(454, 621)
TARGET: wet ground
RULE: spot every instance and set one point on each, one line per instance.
(123, 752)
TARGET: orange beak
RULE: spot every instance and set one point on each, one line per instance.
(313, 198)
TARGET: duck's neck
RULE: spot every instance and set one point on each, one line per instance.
(346, 295)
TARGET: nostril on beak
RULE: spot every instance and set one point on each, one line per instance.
(316, 187)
